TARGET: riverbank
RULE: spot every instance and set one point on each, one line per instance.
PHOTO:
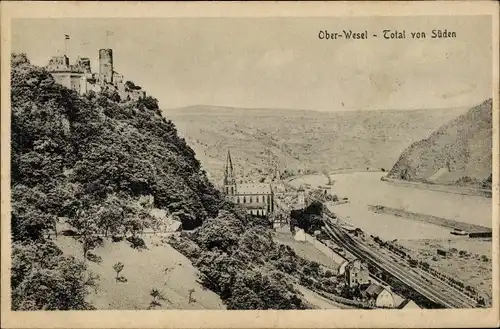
(439, 188)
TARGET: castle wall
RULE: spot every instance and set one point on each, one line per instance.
(84, 64)
(58, 63)
(71, 80)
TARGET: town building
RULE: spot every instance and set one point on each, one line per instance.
(342, 267)
(356, 273)
(80, 78)
(301, 202)
(256, 198)
(378, 296)
(300, 235)
(408, 304)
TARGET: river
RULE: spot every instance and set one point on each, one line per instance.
(366, 188)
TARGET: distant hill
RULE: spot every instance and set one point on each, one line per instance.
(458, 153)
(301, 140)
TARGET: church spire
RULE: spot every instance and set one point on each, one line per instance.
(229, 163)
(228, 175)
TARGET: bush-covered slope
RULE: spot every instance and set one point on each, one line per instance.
(88, 159)
(239, 261)
(458, 153)
(87, 148)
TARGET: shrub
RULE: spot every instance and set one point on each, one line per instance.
(121, 279)
(69, 233)
(94, 258)
(115, 238)
(136, 242)
(185, 246)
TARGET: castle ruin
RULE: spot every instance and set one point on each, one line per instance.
(80, 78)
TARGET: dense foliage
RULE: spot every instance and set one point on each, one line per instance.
(95, 161)
(310, 218)
(89, 159)
(240, 261)
(43, 279)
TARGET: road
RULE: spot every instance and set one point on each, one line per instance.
(422, 282)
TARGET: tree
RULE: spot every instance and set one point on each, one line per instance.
(90, 242)
(118, 267)
(131, 86)
(148, 102)
(87, 230)
(29, 218)
(110, 215)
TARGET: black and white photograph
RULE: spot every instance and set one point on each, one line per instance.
(250, 163)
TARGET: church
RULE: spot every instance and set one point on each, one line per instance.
(256, 198)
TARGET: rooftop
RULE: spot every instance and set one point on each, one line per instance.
(260, 205)
(254, 188)
(374, 290)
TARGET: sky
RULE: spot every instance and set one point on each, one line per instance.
(280, 62)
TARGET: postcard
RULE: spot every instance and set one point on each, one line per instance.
(250, 165)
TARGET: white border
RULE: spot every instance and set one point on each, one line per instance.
(238, 319)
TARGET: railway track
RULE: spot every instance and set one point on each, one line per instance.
(421, 281)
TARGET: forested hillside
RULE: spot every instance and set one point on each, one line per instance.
(458, 153)
(90, 160)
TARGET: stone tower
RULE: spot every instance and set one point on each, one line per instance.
(229, 180)
(106, 64)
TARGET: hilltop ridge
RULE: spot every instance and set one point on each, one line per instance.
(457, 153)
(300, 140)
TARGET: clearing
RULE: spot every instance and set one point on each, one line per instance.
(159, 267)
